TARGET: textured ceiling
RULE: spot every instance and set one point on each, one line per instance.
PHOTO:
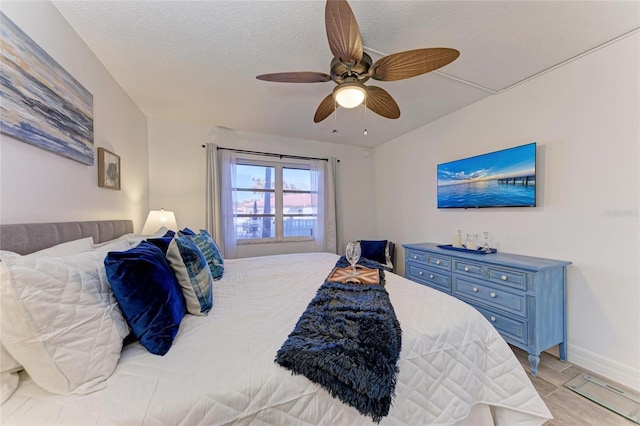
(197, 61)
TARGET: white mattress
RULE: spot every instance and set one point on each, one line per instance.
(221, 368)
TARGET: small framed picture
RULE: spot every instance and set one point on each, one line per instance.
(108, 169)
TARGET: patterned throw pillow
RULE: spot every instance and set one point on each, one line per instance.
(211, 251)
(193, 274)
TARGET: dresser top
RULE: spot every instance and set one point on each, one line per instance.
(504, 259)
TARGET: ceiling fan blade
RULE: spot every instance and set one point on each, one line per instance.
(327, 106)
(296, 77)
(408, 64)
(381, 102)
(342, 31)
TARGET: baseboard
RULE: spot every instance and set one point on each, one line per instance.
(624, 374)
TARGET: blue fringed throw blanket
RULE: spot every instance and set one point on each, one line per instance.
(348, 341)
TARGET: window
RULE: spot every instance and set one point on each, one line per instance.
(274, 202)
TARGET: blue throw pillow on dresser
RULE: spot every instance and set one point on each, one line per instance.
(148, 294)
(211, 251)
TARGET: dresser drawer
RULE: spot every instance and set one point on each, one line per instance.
(515, 329)
(508, 277)
(416, 256)
(500, 299)
(467, 268)
(440, 262)
(431, 278)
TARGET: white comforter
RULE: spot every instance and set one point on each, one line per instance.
(221, 368)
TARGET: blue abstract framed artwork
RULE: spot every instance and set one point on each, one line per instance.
(505, 178)
(42, 104)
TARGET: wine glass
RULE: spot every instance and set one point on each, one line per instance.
(353, 254)
(472, 242)
(485, 246)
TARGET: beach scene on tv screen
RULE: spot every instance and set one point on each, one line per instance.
(498, 179)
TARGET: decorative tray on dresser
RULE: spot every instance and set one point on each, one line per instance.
(524, 297)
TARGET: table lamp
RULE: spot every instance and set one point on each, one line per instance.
(157, 219)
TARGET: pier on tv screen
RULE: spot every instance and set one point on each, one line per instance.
(505, 178)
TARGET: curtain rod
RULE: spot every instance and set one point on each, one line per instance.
(270, 154)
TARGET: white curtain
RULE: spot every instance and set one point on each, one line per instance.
(333, 197)
(227, 162)
(212, 208)
(323, 181)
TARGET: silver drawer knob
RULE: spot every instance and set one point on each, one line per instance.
(493, 294)
(493, 319)
(475, 289)
(503, 278)
(466, 269)
(437, 262)
(420, 273)
(415, 257)
(431, 276)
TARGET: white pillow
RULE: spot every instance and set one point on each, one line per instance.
(9, 367)
(60, 320)
(112, 245)
(65, 249)
(9, 378)
(133, 239)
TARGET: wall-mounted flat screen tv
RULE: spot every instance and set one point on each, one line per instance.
(505, 178)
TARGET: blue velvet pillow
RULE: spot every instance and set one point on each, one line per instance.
(187, 231)
(162, 243)
(210, 249)
(148, 293)
(374, 250)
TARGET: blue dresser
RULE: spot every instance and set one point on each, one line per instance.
(525, 298)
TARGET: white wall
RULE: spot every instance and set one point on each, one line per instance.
(585, 118)
(177, 174)
(39, 186)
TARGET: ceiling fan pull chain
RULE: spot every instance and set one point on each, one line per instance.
(365, 116)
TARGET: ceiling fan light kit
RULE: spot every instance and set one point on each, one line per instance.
(349, 95)
(351, 67)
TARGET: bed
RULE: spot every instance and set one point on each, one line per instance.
(454, 368)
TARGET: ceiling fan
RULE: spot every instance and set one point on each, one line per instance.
(351, 67)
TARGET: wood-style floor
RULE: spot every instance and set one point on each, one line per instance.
(567, 407)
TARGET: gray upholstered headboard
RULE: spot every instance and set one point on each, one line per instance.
(30, 237)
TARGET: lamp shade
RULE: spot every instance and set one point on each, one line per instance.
(349, 95)
(157, 219)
